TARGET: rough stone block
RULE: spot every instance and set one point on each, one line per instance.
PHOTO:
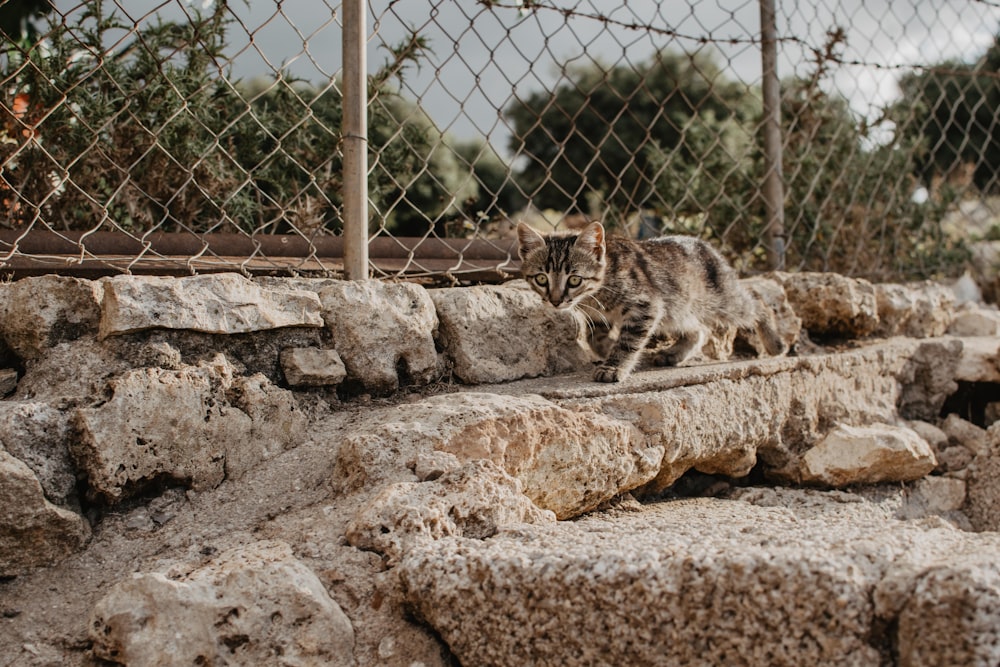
(255, 605)
(33, 532)
(37, 313)
(921, 310)
(772, 577)
(973, 319)
(498, 333)
(772, 296)
(831, 304)
(568, 461)
(38, 434)
(184, 426)
(312, 367)
(225, 303)
(983, 494)
(383, 332)
(867, 455)
(476, 500)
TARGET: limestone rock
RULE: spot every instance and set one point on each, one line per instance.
(771, 578)
(475, 501)
(934, 436)
(965, 434)
(38, 434)
(384, 332)
(940, 494)
(497, 333)
(946, 604)
(75, 373)
(724, 425)
(980, 360)
(33, 532)
(974, 319)
(983, 496)
(181, 426)
(568, 462)
(224, 303)
(772, 295)
(831, 304)
(312, 367)
(921, 310)
(928, 378)
(256, 605)
(277, 422)
(37, 313)
(867, 455)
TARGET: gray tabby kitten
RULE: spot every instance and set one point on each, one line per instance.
(673, 287)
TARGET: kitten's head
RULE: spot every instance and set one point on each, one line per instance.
(563, 268)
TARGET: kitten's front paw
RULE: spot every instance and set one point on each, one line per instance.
(605, 373)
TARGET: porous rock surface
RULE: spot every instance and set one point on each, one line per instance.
(249, 605)
(35, 532)
(567, 461)
(163, 476)
(767, 578)
(222, 304)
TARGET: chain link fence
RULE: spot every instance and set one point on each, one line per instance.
(180, 136)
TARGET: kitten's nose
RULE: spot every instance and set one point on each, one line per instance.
(556, 299)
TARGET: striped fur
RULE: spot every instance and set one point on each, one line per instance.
(633, 294)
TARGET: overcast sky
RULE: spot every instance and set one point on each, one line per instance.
(481, 58)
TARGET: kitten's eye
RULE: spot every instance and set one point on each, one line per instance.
(574, 281)
(542, 279)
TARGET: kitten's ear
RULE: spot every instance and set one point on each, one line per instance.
(528, 239)
(592, 239)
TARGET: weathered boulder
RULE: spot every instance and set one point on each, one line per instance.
(771, 295)
(983, 495)
(770, 578)
(831, 304)
(928, 377)
(184, 426)
(255, 605)
(945, 600)
(866, 455)
(939, 495)
(720, 420)
(568, 461)
(277, 422)
(975, 319)
(77, 372)
(312, 367)
(384, 332)
(38, 434)
(223, 303)
(33, 532)
(37, 313)
(980, 360)
(962, 433)
(921, 310)
(497, 333)
(475, 501)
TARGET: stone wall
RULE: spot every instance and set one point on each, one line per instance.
(365, 473)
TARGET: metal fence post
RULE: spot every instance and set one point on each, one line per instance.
(773, 191)
(354, 132)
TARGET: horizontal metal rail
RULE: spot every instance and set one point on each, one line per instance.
(98, 254)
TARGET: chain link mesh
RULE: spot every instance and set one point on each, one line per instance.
(189, 136)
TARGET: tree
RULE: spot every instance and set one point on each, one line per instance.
(951, 109)
(153, 134)
(614, 131)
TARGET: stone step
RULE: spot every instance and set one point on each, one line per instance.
(766, 577)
